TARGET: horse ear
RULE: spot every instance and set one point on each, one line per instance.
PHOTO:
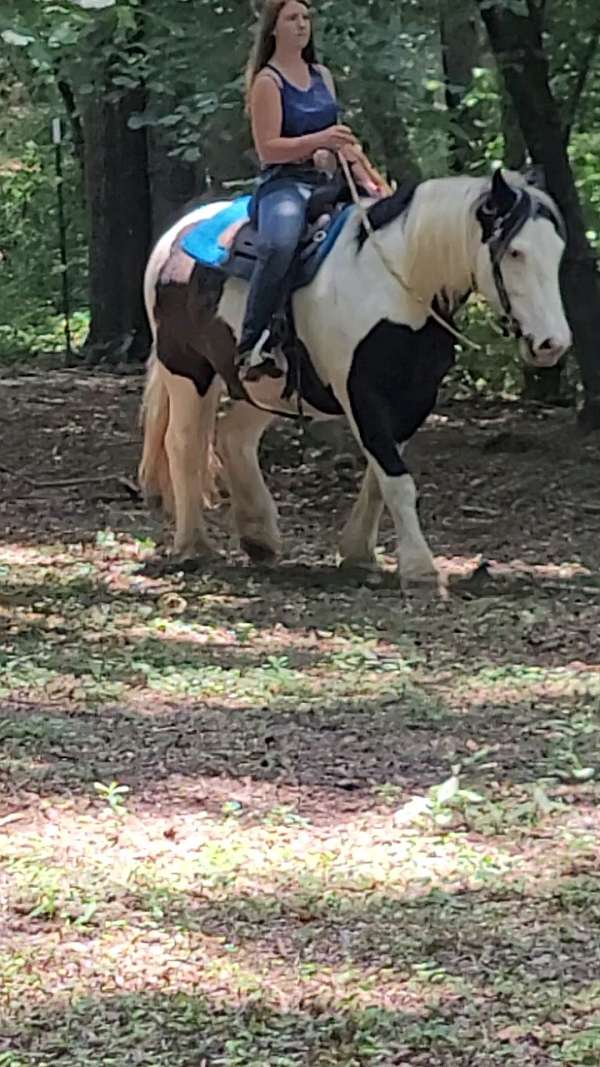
(502, 196)
(535, 175)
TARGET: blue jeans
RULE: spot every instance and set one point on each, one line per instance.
(281, 217)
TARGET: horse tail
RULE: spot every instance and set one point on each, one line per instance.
(209, 465)
(153, 474)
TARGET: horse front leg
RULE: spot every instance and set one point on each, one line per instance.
(253, 507)
(415, 559)
(383, 437)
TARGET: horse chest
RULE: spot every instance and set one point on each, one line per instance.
(393, 383)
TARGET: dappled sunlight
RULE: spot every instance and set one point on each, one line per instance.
(142, 959)
(463, 566)
(518, 682)
(261, 910)
(245, 850)
(87, 867)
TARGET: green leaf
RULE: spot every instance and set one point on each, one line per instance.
(94, 5)
(19, 40)
(447, 790)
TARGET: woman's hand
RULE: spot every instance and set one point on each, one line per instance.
(355, 157)
(352, 153)
(337, 138)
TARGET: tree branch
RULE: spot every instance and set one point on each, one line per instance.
(68, 99)
(582, 76)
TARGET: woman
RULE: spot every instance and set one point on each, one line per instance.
(294, 116)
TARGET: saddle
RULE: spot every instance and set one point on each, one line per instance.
(228, 240)
(228, 243)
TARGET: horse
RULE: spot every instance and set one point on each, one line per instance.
(374, 327)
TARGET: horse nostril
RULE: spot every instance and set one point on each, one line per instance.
(547, 353)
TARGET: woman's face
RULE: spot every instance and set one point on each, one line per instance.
(292, 29)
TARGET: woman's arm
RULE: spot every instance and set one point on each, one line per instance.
(359, 172)
(267, 117)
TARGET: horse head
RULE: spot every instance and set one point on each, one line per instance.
(523, 239)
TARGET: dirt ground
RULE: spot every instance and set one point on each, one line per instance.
(496, 479)
(283, 816)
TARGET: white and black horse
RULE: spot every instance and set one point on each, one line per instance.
(374, 353)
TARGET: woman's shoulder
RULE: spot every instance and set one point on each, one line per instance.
(269, 74)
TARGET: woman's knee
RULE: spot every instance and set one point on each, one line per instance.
(281, 231)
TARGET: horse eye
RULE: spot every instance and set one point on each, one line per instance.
(515, 253)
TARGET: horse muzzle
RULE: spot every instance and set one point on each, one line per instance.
(546, 353)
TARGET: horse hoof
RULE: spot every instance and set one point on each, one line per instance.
(257, 551)
(359, 566)
(425, 586)
(194, 555)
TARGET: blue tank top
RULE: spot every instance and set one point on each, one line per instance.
(306, 110)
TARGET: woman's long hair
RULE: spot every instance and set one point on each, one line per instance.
(264, 42)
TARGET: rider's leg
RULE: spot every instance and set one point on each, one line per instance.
(281, 220)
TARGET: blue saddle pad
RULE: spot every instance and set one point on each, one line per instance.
(202, 242)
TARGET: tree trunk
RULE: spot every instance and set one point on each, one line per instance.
(174, 183)
(119, 226)
(460, 45)
(393, 142)
(517, 43)
(515, 149)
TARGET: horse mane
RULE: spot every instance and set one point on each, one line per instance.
(388, 209)
(439, 229)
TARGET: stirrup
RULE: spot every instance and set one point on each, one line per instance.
(253, 357)
(259, 361)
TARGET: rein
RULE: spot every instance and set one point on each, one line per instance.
(506, 228)
(391, 268)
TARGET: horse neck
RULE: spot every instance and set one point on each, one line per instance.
(435, 246)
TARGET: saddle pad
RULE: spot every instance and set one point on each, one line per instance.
(203, 242)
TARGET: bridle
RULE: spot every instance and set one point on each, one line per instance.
(499, 232)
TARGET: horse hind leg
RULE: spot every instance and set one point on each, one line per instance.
(253, 508)
(187, 444)
(358, 539)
